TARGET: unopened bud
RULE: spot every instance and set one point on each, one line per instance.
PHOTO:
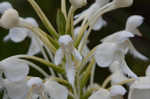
(9, 19)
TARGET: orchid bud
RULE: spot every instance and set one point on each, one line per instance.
(78, 3)
(9, 19)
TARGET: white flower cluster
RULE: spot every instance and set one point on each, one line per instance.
(71, 63)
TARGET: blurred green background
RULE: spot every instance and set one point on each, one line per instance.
(116, 21)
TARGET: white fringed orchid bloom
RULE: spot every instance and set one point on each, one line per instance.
(17, 34)
(132, 24)
(67, 49)
(10, 19)
(56, 90)
(116, 46)
(78, 3)
(14, 69)
(90, 11)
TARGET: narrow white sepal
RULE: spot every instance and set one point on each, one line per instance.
(77, 55)
(127, 70)
(34, 47)
(59, 56)
(99, 24)
(147, 72)
(135, 53)
(70, 70)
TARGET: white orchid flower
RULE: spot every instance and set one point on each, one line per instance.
(101, 94)
(55, 90)
(14, 69)
(5, 6)
(78, 3)
(66, 50)
(114, 48)
(17, 34)
(90, 11)
(132, 24)
(10, 19)
(16, 90)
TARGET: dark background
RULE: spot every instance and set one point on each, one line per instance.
(116, 21)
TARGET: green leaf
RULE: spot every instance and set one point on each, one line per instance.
(61, 22)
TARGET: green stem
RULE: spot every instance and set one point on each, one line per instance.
(44, 19)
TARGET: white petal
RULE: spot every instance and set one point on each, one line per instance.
(70, 70)
(105, 54)
(31, 21)
(135, 53)
(147, 73)
(18, 34)
(59, 56)
(117, 90)
(133, 22)
(14, 69)
(56, 90)
(127, 70)
(5, 6)
(140, 89)
(34, 47)
(16, 90)
(100, 94)
(118, 37)
(85, 51)
(99, 24)
(77, 55)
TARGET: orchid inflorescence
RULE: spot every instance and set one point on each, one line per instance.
(66, 54)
